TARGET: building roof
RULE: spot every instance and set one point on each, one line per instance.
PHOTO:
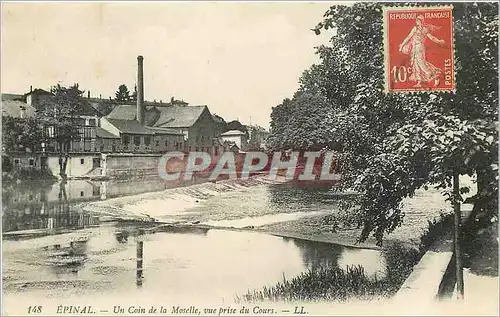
(88, 109)
(134, 127)
(129, 126)
(104, 134)
(157, 130)
(233, 132)
(6, 97)
(39, 91)
(179, 116)
(169, 117)
(13, 108)
(218, 119)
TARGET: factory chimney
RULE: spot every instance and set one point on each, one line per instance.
(140, 90)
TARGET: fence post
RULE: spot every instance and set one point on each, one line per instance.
(140, 254)
(458, 237)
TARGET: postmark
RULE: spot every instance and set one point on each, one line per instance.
(419, 49)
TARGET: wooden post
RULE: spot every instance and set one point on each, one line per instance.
(457, 237)
(140, 249)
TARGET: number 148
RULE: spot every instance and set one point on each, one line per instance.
(34, 309)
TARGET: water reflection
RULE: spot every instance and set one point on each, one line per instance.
(179, 263)
(44, 205)
(218, 263)
(317, 254)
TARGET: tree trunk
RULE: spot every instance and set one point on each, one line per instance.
(63, 161)
(478, 200)
(457, 237)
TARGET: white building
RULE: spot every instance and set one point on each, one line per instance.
(236, 136)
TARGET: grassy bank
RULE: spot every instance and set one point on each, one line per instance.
(339, 284)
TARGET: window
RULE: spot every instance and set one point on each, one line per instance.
(157, 143)
(126, 139)
(166, 143)
(92, 122)
(87, 133)
(16, 161)
(32, 162)
(147, 140)
(82, 161)
(81, 194)
(137, 140)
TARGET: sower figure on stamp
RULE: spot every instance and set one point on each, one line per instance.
(414, 45)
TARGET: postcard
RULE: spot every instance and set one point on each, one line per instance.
(249, 158)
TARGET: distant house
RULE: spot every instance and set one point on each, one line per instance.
(195, 123)
(13, 97)
(37, 97)
(130, 136)
(86, 121)
(238, 137)
(17, 109)
(107, 142)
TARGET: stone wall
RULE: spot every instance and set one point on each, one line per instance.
(118, 165)
(78, 164)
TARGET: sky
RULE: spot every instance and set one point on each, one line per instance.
(240, 59)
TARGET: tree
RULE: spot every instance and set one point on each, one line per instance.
(302, 123)
(122, 94)
(59, 115)
(236, 125)
(134, 94)
(19, 134)
(391, 145)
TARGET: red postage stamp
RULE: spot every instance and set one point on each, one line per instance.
(419, 49)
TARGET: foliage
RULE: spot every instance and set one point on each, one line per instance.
(308, 123)
(436, 229)
(400, 261)
(393, 144)
(19, 134)
(122, 94)
(133, 97)
(330, 283)
(236, 125)
(59, 115)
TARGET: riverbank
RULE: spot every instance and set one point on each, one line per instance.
(425, 206)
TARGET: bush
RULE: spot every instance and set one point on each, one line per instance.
(436, 229)
(330, 283)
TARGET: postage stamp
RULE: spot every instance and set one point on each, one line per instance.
(419, 49)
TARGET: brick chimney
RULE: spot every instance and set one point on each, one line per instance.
(140, 90)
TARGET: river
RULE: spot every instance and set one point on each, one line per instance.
(57, 249)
